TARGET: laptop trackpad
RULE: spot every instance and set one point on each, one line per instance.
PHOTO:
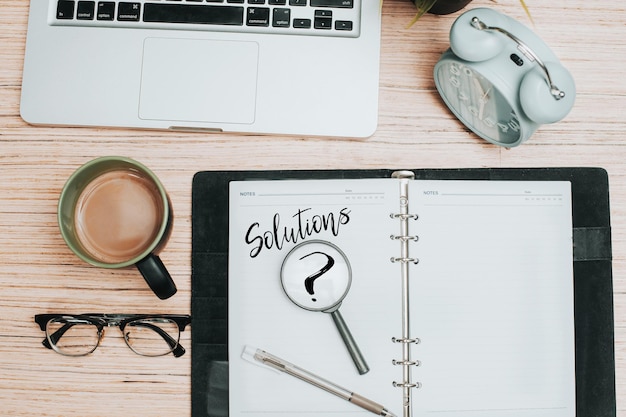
(195, 80)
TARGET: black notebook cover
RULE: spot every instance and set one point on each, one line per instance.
(593, 286)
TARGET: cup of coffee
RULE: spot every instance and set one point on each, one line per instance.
(113, 213)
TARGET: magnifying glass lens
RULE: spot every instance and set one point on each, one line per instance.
(316, 276)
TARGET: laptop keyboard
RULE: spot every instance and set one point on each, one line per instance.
(300, 17)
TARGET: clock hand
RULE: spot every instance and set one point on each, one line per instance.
(479, 86)
(483, 102)
(483, 98)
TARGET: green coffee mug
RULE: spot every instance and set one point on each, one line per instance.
(113, 213)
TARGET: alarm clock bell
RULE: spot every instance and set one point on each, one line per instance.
(500, 79)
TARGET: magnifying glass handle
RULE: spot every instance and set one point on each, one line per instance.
(353, 348)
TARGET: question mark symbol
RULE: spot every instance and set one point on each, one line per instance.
(310, 280)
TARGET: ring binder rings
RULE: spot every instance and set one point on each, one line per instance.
(405, 260)
(595, 393)
(413, 238)
(395, 362)
(405, 340)
(403, 216)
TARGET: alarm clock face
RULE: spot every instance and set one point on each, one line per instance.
(477, 103)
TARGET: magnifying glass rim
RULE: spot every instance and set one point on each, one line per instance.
(332, 307)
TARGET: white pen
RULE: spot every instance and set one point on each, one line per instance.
(281, 365)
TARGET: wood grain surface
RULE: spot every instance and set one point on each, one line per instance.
(38, 273)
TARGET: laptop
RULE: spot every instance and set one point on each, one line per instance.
(296, 67)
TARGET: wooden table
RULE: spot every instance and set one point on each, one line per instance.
(39, 274)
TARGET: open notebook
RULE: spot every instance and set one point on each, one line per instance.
(491, 298)
(491, 290)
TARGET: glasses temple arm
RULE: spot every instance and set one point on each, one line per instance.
(54, 337)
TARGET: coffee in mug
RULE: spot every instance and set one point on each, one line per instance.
(113, 213)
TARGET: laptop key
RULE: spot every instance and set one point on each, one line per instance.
(323, 13)
(193, 13)
(128, 12)
(281, 17)
(343, 25)
(86, 10)
(302, 23)
(106, 10)
(258, 16)
(65, 9)
(348, 4)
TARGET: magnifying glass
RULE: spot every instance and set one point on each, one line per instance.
(316, 276)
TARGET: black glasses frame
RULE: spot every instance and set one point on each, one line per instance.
(111, 320)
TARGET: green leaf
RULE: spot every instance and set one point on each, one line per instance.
(423, 6)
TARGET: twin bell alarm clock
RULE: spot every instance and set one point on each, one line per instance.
(500, 79)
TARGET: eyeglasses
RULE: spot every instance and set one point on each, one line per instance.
(146, 335)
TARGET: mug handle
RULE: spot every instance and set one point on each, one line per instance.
(157, 276)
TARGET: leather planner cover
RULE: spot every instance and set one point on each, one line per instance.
(593, 287)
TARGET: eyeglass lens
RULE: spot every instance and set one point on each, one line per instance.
(147, 336)
(152, 337)
(72, 337)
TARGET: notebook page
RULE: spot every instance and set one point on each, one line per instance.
(352, 214)
(492, 299)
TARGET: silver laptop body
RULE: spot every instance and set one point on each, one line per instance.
(299, 67)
